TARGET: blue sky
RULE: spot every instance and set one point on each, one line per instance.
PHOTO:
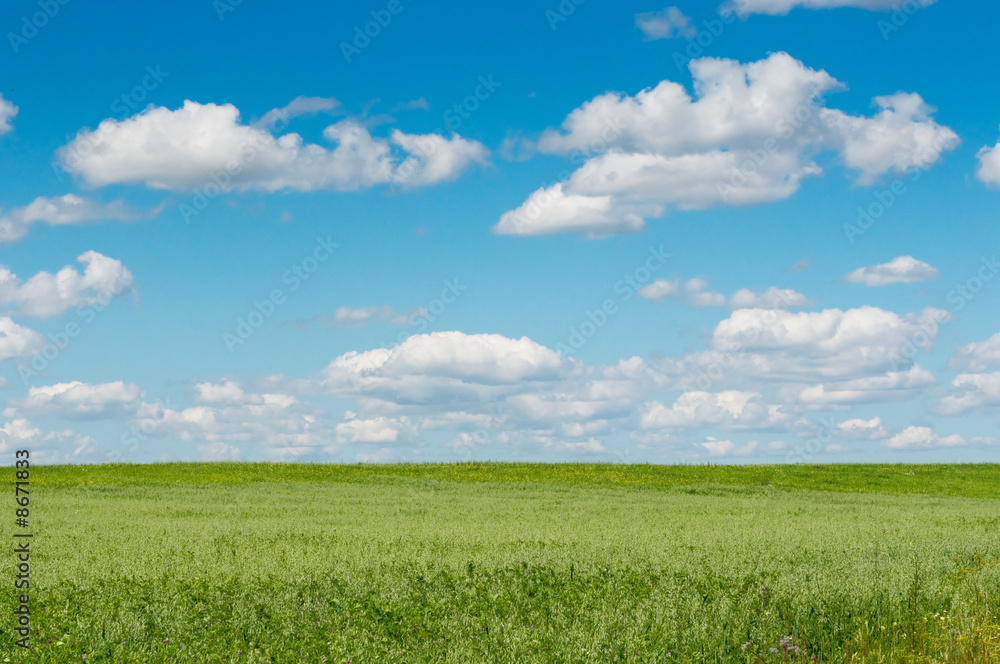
(755, 232)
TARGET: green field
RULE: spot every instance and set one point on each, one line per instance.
(511, 563)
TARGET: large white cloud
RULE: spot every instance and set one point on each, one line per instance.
(817, 359)
(749, 137)
(201, 145)
(64, 210)
(45, 294)
(782, 7)
(427, 366)
(832, 343)
(902, 269)
(7, 113)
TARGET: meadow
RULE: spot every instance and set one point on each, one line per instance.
(281, 563)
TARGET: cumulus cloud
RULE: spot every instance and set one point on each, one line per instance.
(427, 366)
(199, 144)
(48, 447)
(859, 429)
(828, 358)
(973, 392)
(17, 341)
(892, 386)
(781, 7)
(717, 447)
(730, 409)
(45, 294)
(7, 113)
(922, 438)
(668, 23)
(225, 391)
(772, 298)
(279, 425)
(374, 430)
(989, 164)
(219, 452)
(65, 210)
(903, 269)
(698, 295)
(832, 342)
(749, 137)
(978, 357)
(78, 400)
(659, 290)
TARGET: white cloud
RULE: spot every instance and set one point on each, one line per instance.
(219, 452)
(64, 210)
(730, 409)
(698, 295)
(200, 144)
(77, 400)
(427, 366)
(893, 386)
(358, 316)
(772, 298)
(45, 294)
(667, 23)
(858, 429)
(902, 269)
(922, 438)
(226, 391)
(659, 290)
(819, 359)
(974, 392)
(591, 446)
(17, 341)
(281, 426)
(726, 447)
(7, 113)
(48, 447)
(978, 357)
(375, 430)
(750, 137)
(781, 7)
(297, 107)
(831, 344)
(989, 164)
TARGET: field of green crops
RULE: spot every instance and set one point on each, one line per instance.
(510, 563)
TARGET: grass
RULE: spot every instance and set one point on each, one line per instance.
(512, 563)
